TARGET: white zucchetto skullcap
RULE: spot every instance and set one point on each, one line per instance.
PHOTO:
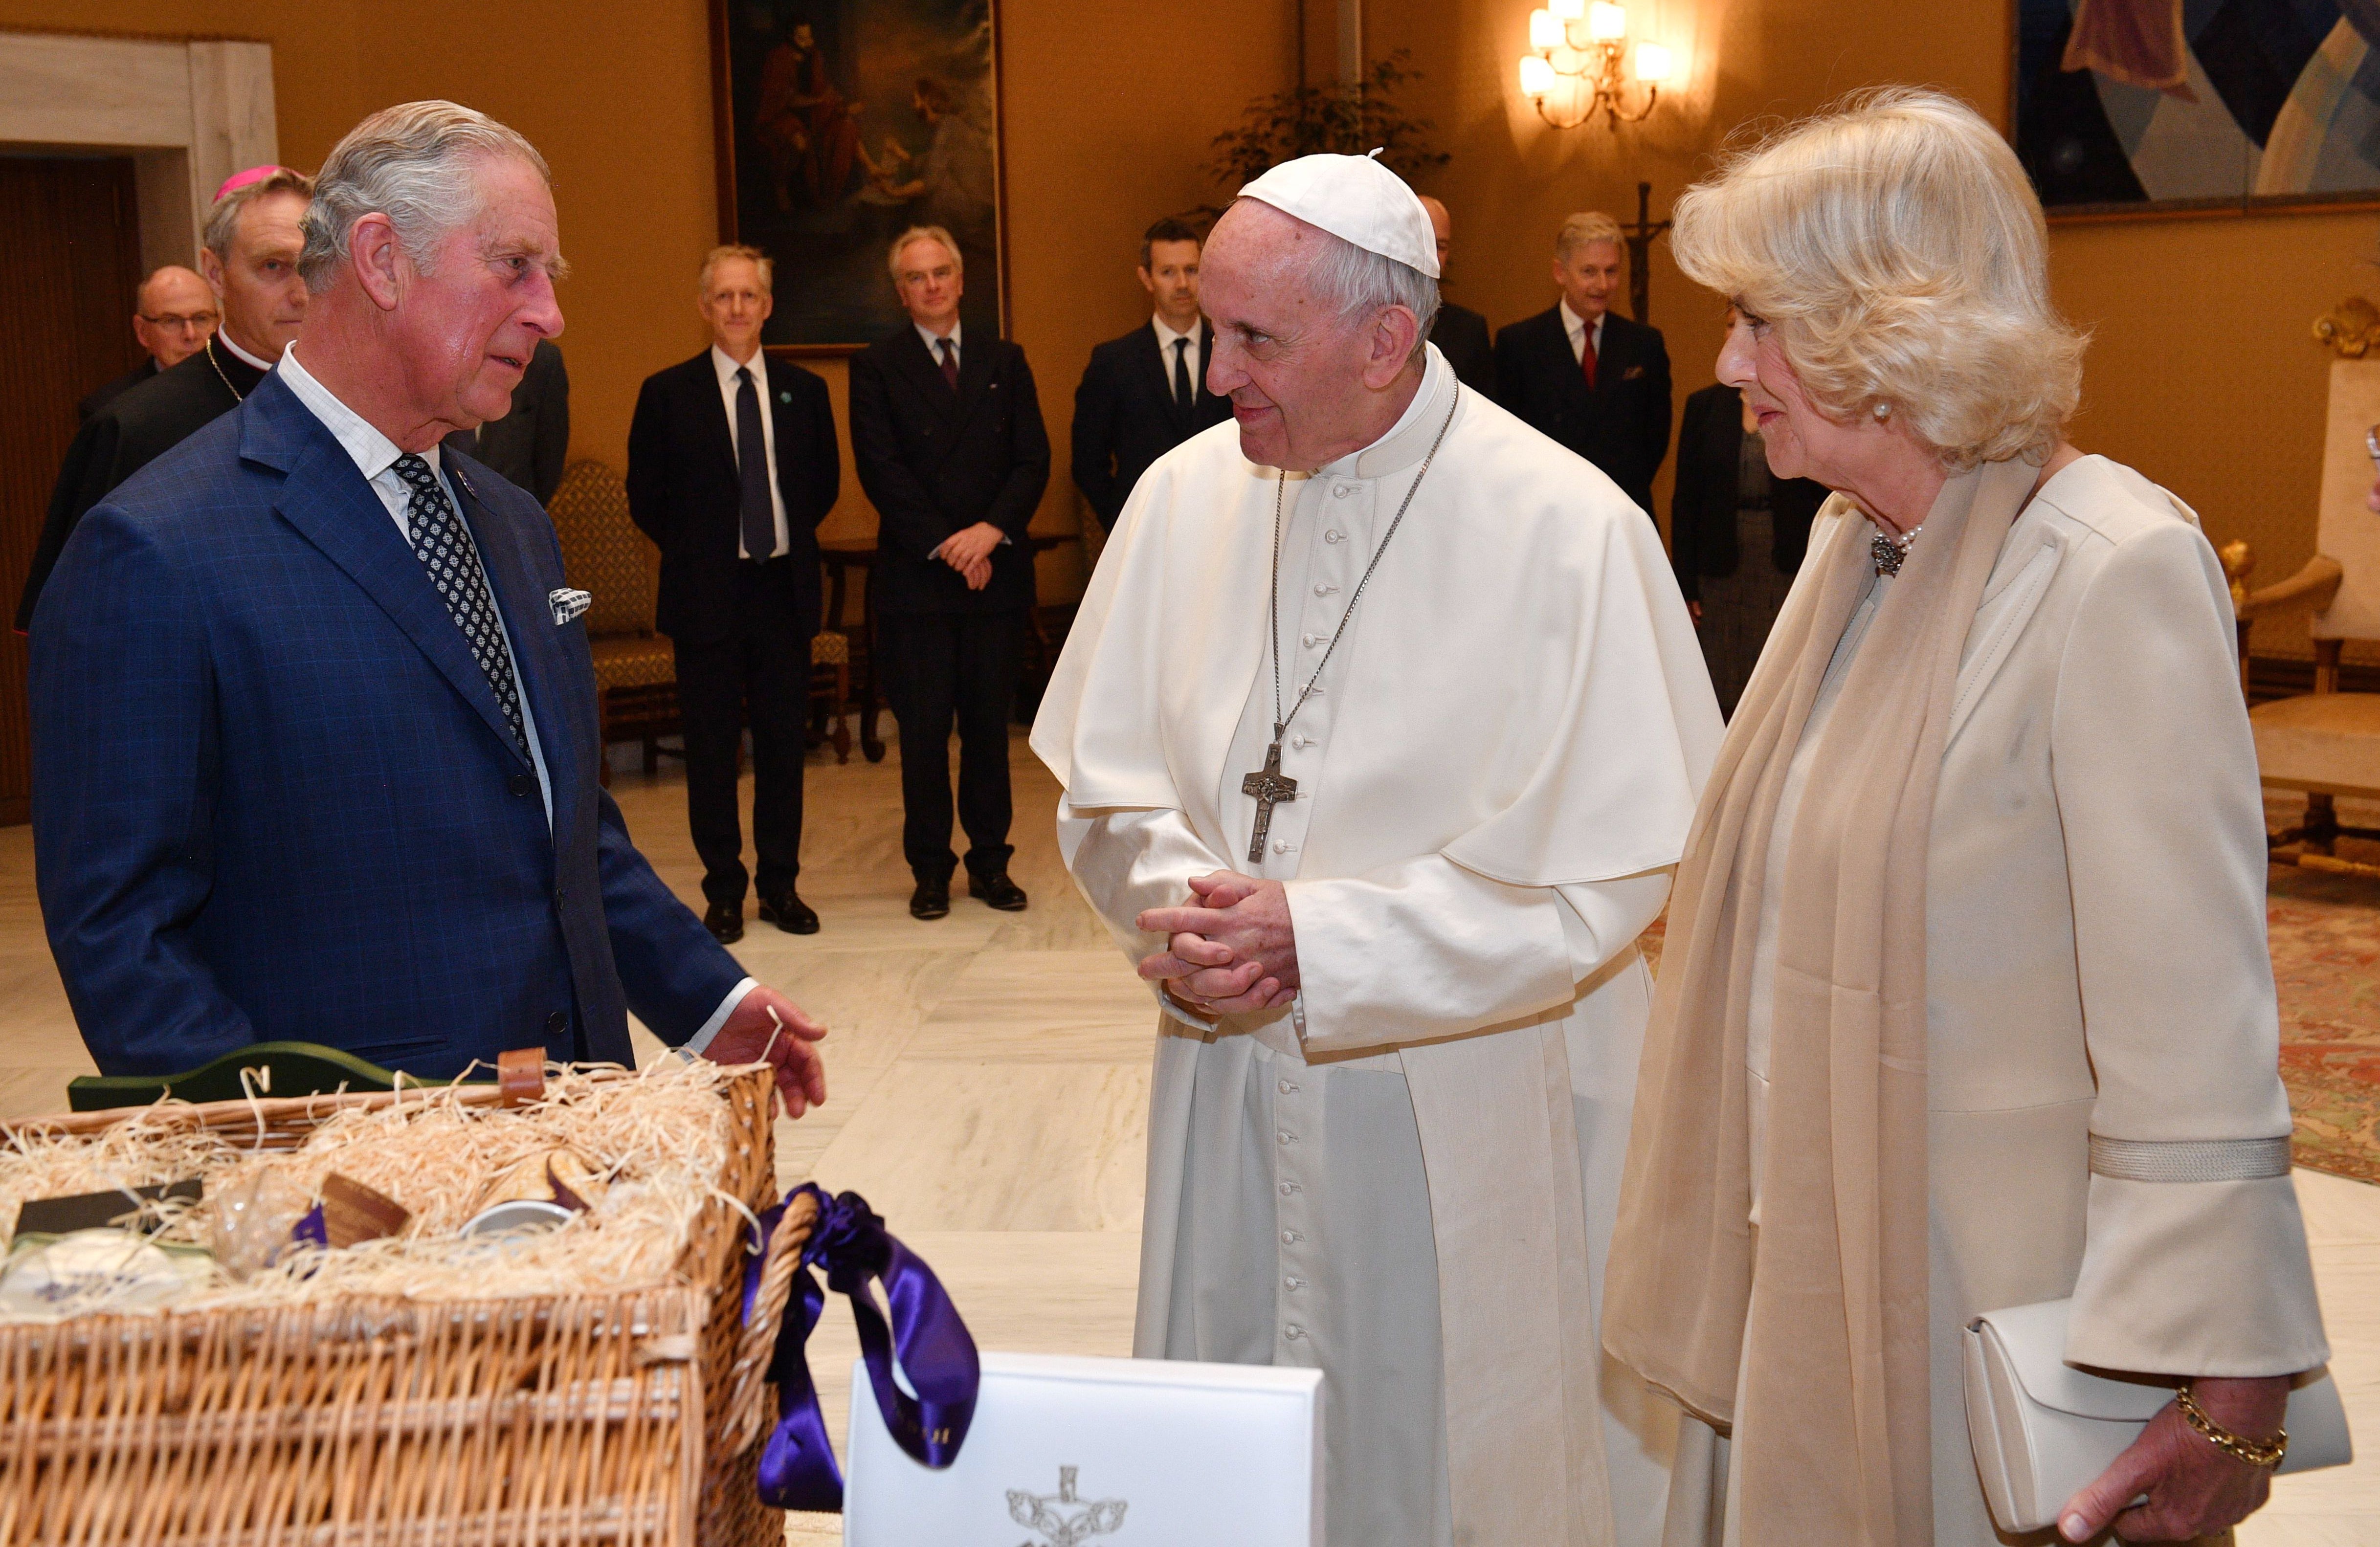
(1356, 199)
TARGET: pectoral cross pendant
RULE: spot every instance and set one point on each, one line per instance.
(1270, 788)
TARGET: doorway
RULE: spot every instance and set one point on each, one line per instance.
(66, 313)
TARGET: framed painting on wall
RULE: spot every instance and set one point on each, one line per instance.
(842, 123)
(2198, 106)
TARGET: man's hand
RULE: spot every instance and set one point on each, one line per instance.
(2193, 1489)
(970, 547)
(752, 1036)
(977, 575)
(1232, 951)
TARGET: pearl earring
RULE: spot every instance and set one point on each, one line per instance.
(1884, 410)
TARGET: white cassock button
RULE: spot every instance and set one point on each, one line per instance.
(1325, 590)
(1287, 1137)
(1287, 1189)
(1291, 1238)
(1294, 1283)
(1283, 846)
(1311, 639)
(1293, 1331)
(1334, 536)
(1288, 1088)
(1301, 740)
(1341, 492)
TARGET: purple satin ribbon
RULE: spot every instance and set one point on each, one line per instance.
(797, 1466)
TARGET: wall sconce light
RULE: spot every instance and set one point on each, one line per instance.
(1596, 73)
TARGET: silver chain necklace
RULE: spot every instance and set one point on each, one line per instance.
(1270, 786)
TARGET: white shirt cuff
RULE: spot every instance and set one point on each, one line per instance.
(694, 1045)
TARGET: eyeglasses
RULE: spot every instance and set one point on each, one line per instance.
(197, 322)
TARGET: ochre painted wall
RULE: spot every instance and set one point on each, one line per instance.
(1109, 112)
(2201, 371)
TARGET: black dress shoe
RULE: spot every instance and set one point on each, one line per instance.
(726, 922)
(789, 914)
(997, 891)
(931, 901)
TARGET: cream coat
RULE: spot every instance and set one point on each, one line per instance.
(2096, 965)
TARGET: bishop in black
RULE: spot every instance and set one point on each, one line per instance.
(733, 503)
(947, 446)
(137, 427)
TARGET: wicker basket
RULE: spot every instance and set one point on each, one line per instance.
(630, 1417)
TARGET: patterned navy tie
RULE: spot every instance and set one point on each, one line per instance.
(445, 551)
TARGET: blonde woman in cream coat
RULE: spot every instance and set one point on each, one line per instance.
(2099, 1004)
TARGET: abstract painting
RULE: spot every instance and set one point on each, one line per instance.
(2183, 105)
(842, 123)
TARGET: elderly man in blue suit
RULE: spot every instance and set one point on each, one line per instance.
(314, 730)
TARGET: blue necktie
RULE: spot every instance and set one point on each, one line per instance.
(752, 464)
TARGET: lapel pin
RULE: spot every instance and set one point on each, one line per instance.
(567, 604)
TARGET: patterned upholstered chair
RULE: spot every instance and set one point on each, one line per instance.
(603, 554)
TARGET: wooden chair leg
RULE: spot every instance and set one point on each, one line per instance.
(2321, 834)
(843, 711)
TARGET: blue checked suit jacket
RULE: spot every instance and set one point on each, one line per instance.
(274, 796)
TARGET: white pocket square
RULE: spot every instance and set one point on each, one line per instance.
(567, 604)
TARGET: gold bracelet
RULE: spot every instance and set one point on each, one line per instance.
(2264, 1454)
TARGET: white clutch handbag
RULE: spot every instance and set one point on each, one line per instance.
(2042, 1429)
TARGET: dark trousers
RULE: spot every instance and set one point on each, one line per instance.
(758, 676)
(938, 668)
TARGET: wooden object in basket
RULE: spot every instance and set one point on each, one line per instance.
(593, 1418)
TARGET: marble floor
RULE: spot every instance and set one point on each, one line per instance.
(988, 1076)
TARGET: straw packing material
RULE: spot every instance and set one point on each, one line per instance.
(657, 1141)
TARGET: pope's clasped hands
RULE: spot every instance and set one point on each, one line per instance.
(1230, 950)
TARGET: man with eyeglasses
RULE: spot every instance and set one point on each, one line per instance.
(248, 253)
(173, 315)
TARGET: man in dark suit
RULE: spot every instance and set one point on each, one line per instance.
(951, 451)
(1460, 332)
(1586, 376)
(318, 759)
(732, 465)
(1144, 394)
(173, 314)
(531, 443)
(250, 260)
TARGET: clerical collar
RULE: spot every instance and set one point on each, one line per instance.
(1409, 440)
(222, 336)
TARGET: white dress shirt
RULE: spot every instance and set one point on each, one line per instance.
(375, 457)
(1165, 337)
(727, 366)
(1579, 329)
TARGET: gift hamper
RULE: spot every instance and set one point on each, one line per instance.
(521, 1312)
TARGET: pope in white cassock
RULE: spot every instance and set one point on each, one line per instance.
(1381, 728)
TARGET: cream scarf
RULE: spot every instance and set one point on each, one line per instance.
(1822, 1312)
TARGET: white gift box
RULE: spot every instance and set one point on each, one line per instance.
(1063, 1451)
